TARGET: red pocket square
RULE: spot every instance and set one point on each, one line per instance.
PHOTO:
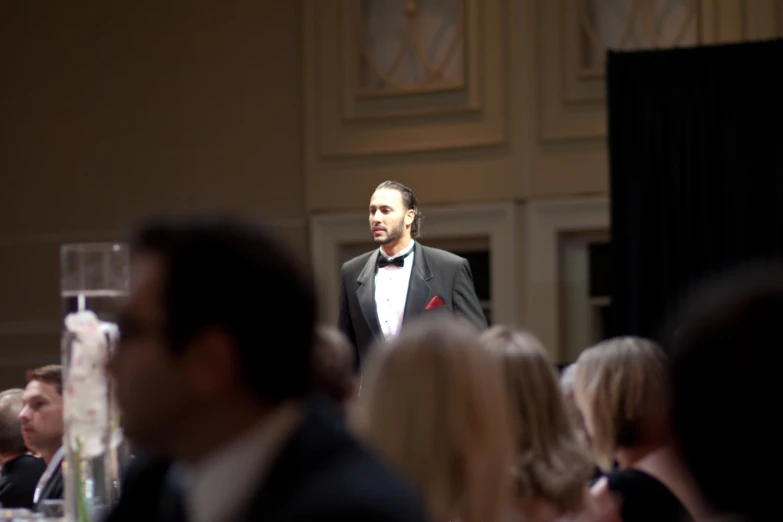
(436, 302)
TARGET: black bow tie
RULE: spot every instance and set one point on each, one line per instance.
(399, 261)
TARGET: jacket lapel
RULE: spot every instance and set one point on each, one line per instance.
(419, 291)
(366, 294)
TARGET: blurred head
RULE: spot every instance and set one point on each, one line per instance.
(551, 462)
(434, 404)
(725, 362)
(567, 389)
(42, 410)
(567, 379)
(333, 363)
(394, 213)
(219, 314)
(11, 441)
(621, 388)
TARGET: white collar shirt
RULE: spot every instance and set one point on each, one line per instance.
(391, 292)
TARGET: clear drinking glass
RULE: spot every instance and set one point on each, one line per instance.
(94, 276)
(94, 283)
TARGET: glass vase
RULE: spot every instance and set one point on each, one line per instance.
(94, 283)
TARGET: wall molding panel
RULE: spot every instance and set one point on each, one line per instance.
(352, 120)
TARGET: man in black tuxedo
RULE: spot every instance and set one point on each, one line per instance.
(382, 289)
(213, 380)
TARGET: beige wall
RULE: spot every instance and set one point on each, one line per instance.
(112, 110)
(526, 120)
(495, 143)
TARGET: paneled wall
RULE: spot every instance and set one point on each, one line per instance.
(488, 102)
(492, 110)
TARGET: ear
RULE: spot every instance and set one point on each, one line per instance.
(211, 362)
(409, 216)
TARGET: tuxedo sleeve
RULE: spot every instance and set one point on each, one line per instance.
(466, 302)
(344, 322)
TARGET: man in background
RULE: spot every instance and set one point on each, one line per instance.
(42, 427)
(213, 377)
(402, 279)
(20, 471)
(333, 366)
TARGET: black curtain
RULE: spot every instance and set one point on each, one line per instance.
(696, 163)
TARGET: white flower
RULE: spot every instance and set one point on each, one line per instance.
(85, 394)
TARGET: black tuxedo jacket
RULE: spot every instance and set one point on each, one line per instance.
(20, 477)
(435, 273)
(322, 475)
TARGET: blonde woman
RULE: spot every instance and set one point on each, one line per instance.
(553, 463)
(433, 403)
(621, 387)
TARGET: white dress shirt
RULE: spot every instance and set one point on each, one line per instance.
(57, 459)
(391, 292)
(221, 487)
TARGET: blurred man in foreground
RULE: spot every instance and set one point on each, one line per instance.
(213, 373)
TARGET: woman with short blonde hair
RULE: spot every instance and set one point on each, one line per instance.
(433, 403)
(621, 386)
(553, 466)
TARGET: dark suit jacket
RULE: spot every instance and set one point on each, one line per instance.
(322, 475)
(20, 477)
(53, 489)
(435, 273)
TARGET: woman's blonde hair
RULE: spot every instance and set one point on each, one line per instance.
(433, 404)
(552, 463)
(621, 388)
